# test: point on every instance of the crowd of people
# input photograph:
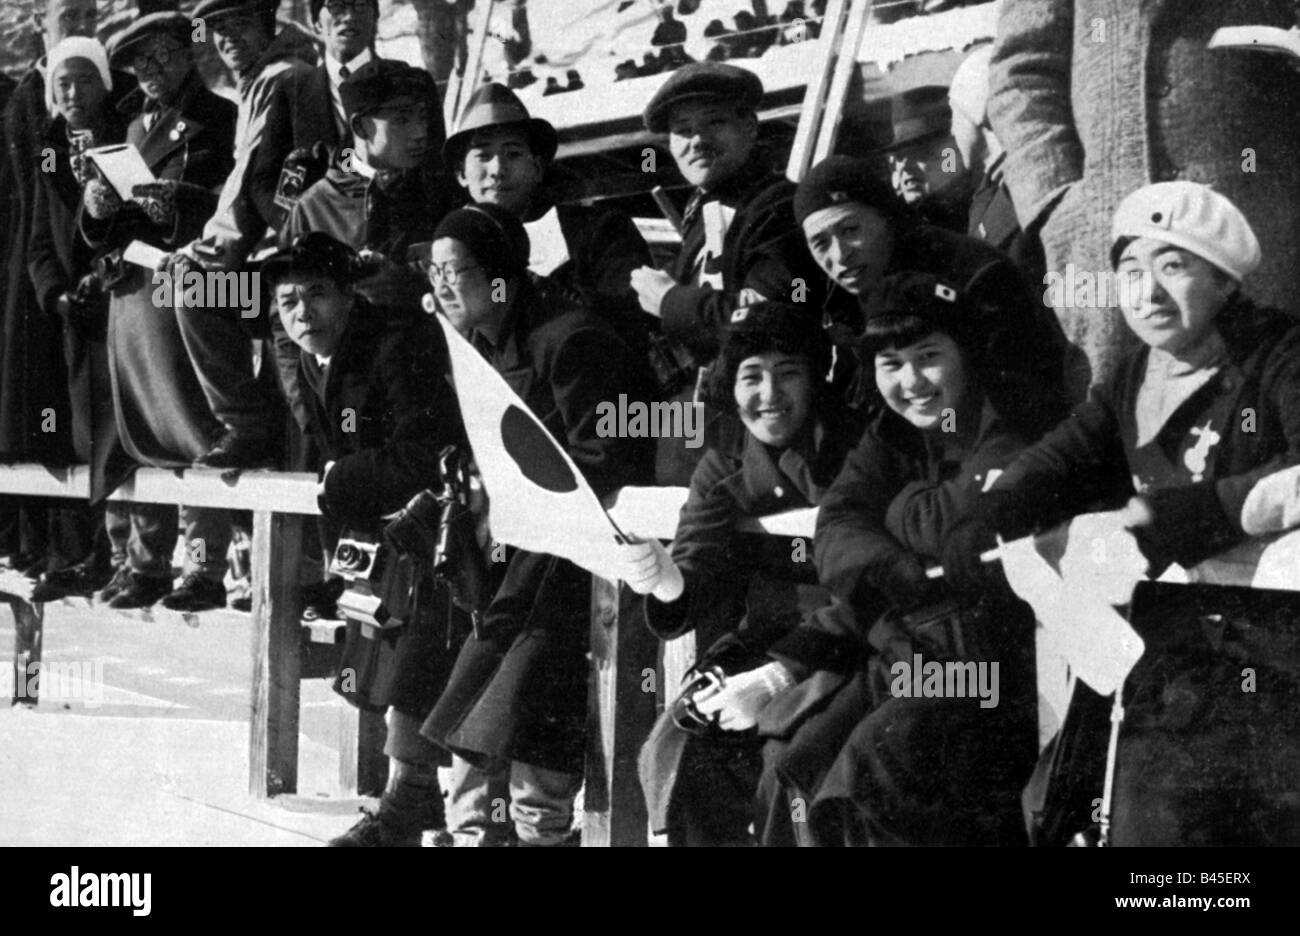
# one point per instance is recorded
(909, 380)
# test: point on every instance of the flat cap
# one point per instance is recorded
(311, 254)
(210, 9)
(702, 81)
(174, 23)
(840, 179)
(379, 81)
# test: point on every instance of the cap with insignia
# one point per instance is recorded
(839, 180)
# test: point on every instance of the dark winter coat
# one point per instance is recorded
(58, 257)
(763, 255)
(31, 346)
(519, 689)
(384, 409)
(1240, 426)
(162, 415)
(742, 590)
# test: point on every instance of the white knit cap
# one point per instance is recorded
(968, 94)
(75, 47)
(1191, 216)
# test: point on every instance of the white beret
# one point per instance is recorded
(1191, 216)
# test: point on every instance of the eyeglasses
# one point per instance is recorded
(160, 56)
(447, 274)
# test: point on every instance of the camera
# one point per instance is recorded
(381, 583)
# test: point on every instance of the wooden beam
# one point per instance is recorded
(276, 646)
(29, 626)
(846, 64)
(620, 715)
(363, 767)
(815, 96)
(284, 491)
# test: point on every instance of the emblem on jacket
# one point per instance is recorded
(1196, 457)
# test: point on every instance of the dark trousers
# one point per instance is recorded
(222, 353)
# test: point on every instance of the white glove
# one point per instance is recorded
(743, 696)
(648, 569)
(1103, 557)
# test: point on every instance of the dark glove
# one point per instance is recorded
(158, 199)
(905, 584)
(100, 199)
(963, 569)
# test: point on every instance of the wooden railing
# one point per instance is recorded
(632, 676)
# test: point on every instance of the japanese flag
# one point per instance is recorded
(538, 499)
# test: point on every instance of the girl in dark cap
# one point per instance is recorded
(701, 765)
(856, 757)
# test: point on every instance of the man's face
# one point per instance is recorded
(397, 134)
(467, 302)
(907, 175)
(160, 64)
(314, 311)
(347, 27)
(241, 39)
(78, 91)
(923, 382)
(710, 141)
(64, 18)
(501, 169)
(1169, 296)
(853, 243)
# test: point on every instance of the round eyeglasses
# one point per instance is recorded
(446, 273)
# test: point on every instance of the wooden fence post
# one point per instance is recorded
(277, 648)
(29, 624)
(621, 713)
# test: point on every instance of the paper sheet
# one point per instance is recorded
(123, 167)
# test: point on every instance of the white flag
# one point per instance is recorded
(538, 500)
(1094, 638)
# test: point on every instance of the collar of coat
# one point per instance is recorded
(932, 448)
(365, 324)
(802, 471)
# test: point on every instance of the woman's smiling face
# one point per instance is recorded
(924, 381)
(774, 394)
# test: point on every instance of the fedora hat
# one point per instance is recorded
(495, 105)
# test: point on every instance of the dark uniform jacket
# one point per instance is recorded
(1240, 426)
(763, 252)
(519, 687)
(384, 409)
(755, 584)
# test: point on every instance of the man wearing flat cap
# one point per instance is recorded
(858, 232)
(503, 156)
(739, 240)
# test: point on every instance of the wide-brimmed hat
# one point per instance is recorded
(495, 105)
